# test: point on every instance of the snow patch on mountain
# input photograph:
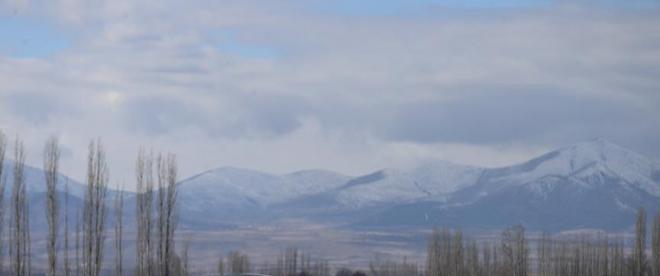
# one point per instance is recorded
(238, 187)
(590, 163)
(432, 180)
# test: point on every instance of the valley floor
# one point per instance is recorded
(340, 247)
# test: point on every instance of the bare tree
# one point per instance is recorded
(522, 252)
(321, 268)
(655, 245)
(161, 175)
(221, 266)
(603, 256)
(618, 258)
(305, 263)
(95, 210)
(457, 264)
(167, 214)
(543, 255)
(443, 253)
(20, 240)
(51, 168)
(119, 229)
(472, 260)
(3, 148)
(487, 255)
(290, 261)
(77, 245)
(67, 267)
(432, 254)
(238, 262)
(144, 202)
(639, 262)
(515, 251)
(184, 266)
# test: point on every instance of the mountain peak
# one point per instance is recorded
(594, 150)
(594, 158)
(602, 151)
(599, 144)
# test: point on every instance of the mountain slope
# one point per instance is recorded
(588, 162)
(241, 195)
(35, 180)
(432, 180)
(595, 184)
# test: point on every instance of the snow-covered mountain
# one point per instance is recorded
(587, 164)
(35, 181)
(433, 180)
(235, 194)
(35, 186)
(590, 184)
(253, 194)
(235, 186)
(594, 184)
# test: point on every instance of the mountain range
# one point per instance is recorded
(593, 184)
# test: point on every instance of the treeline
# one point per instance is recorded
(293, 262)
(289, 262)
(450, 254)
(156, 217)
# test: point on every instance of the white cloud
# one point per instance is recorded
(343, 92)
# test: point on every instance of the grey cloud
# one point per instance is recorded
(246, 116)
(159, 115)
(542, 77)
(524, 115)
(277, 114)
(36, 108)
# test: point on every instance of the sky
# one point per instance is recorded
(350, 86)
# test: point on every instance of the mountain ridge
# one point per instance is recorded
(593, 184)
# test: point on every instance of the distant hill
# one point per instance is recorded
(594, 184)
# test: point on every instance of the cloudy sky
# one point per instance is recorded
(347, 85)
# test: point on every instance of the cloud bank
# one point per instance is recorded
(306, 84)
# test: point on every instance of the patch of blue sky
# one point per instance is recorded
(633, 4)
(22, 37)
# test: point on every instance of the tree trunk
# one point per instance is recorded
(51, 168)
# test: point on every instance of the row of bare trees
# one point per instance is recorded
(591, 255)
(379, 267)
(449, 254)
(290, 262)
(155, 243)
(581, 255)
(294, 262)
(156, 210)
